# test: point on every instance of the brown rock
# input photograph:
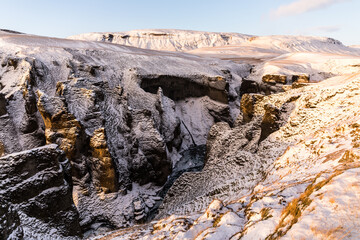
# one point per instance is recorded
(271, 78)
(103, 166)
(299, 85)
(2, 149)
(61, 127)
(247, 105)
(302, 78)
(270, 121)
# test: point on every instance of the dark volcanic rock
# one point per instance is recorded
(2, 105)
(33, 186)
(9, 222)
(178, 88)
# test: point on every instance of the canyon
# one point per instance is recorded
(176, 134)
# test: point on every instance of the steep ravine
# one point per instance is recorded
(119, 118)
(277, 184)
(99, 137)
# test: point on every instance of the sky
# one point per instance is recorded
(338, 19)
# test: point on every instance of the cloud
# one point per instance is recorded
(302, 6)
(327, 29)
(317, 30)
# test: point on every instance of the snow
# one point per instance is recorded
(319, 57)
(166, 39)
(339, 204)
(310, 63)
(198, 42)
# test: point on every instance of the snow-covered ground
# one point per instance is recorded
(166, 39)
(318, 57)
(217, 43)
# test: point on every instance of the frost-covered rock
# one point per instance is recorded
(36, 184)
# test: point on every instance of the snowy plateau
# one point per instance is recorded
(178, 134)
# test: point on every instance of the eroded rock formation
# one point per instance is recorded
(124, 118)
(35, 188)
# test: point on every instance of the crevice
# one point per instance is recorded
(179, 88)
(192, 160)
(192, 138)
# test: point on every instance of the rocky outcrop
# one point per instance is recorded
(35, 190)
(21, 123)
(103, 168)
(274, 78)
(300, 78)
(170, 40)
(10, 227)
(248, 103)
(61, 127)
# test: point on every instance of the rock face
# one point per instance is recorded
(300, 78)
(235, 157)
(35, 195)
(274, 79)
(125, 118)
(104, 170)
(166, 39)
(9, 222)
